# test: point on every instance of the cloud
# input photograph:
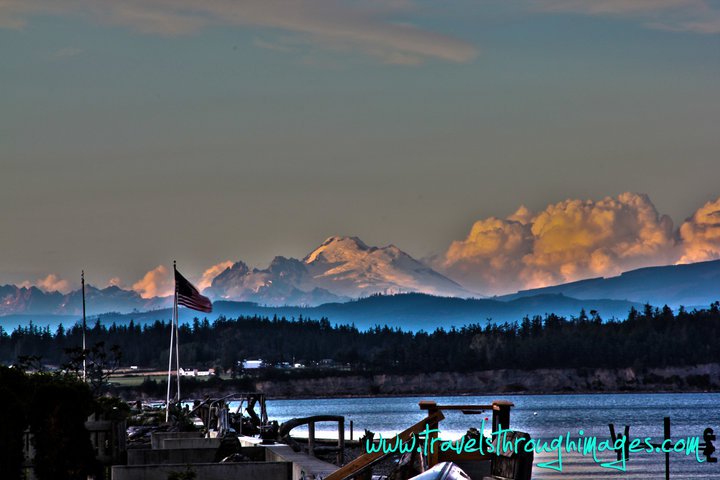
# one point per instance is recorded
(114, 282)
(51, 283)
(158, 282)
(695, 16)
(700, 234)
(378, 29)
(211, 273)
(491, 255)
(567, 241)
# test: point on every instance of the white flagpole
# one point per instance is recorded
(177, 342)
(170, 355)
(84, 346)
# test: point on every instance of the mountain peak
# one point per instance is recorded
(342, 267)
(349, 267)
(337, 248)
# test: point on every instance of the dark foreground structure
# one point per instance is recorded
(232, 438)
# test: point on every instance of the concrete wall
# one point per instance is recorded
(303, 465)
(187, 455)
(175, 443)
(157, 438)
(165, 456)
(207, 471)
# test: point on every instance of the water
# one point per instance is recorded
(544, 417)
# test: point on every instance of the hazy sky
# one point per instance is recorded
(136, 132)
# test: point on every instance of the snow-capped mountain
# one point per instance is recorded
(347, 266)
(285, 282)
(344, 268)
(32, 300)
(340, 269)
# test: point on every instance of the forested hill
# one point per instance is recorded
(411, 311)
(649, 338)
(687, 284)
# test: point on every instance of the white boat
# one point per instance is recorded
(443, 471)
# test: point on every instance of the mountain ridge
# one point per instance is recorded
(690, 285)
(340, 269)
(409, 311)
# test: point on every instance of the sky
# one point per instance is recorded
(137, 132)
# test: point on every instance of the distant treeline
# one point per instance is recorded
(654, 337)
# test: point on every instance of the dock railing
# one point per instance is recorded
(500, 420)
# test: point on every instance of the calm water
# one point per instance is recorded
(546, 416)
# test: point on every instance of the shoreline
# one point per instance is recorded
(514, 394)
(666, 380)
(220, 393)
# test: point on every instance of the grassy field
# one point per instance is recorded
(134, 380)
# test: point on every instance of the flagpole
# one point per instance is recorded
(177, 336)
(170, 355)
(84, 325)
(191, 298)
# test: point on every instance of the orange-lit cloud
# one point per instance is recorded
(211, 273)
(114, 282)
(377, 29)
(700, 234)
(491, 256)
(567, 241)
(158, 282)
(51, 283)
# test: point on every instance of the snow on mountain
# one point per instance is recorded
(340, 269)
(285, 282)
(344, 268)
(347, 266)
(32, 300)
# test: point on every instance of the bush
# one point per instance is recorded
(55, 407)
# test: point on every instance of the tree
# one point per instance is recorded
(60, 406)
(14, 392)
(99, 365)
(54, 407)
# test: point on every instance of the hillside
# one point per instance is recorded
(411, 311)
(693, 284)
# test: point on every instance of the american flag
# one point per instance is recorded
(188, 296)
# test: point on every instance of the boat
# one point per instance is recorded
(443, 471)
